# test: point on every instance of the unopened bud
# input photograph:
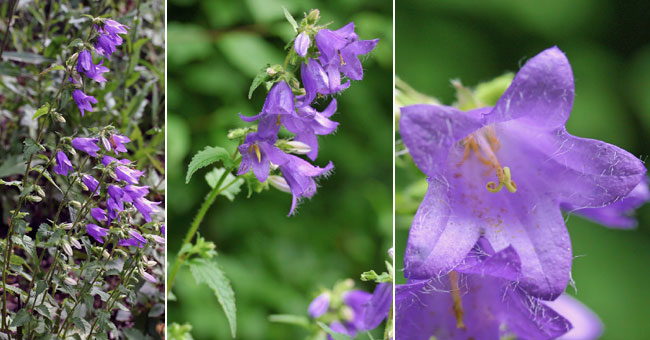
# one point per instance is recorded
(279, 183)
(33, 198)
(151, 264)
(66, 226)
(106, 255)
(58, 117)
(313, 16)
(83, 186)
(40, 191)
(67, 249)
(298, 148)
(75, 243)
(158, 239)
(70, 281)
(274, 70)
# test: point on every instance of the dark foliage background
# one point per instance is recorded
(608, 45)
(276, 264)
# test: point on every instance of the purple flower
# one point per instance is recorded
(521, 145)
(145, 207)
(106, 43)
(136, 239)
(377, 308)
(480, 299)
(133, 192)
(115, 202)
(97, 232)
(127, 174)
(278, 108)
(83, 101)
(300, 175)
(63, 164)
(87, 145)
(116, 142)
(319, 305)
(108, 160)
(91, 183)
(86, 66)
(99, 214)
(317, 79)
(618, 214)
(301, 45)
(258, 152)
(586, 324)
(341, 48)
(149, 277)
(114, 28)
(311, 123)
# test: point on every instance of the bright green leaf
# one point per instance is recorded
(206, 157)
(234, 183)
(208, 272)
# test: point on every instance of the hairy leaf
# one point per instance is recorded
(208, 272)
(232, 190)
(206, 157)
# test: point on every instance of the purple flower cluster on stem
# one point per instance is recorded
(321, 75)
(498, 179)
(105, 44)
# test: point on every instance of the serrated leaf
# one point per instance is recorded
(296, 320)
(290, 19)
(207, 156)
(43, 110)
(47, 176)
(102, 295)
(208, 272)
(333, 334)
(21, 318)
(42, 309)
(81, 324)
(232, 190)
(259, 79)
(31, 147)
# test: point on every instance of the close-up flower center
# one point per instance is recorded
(257, 152)
(484, 145)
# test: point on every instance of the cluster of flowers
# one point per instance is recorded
(337, 52)
(483, 262)
(107, 40)
(350, 311)
(124, 190)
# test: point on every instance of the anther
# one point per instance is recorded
(257, 152)
(341, 56)
(505, 179)
(455, 294)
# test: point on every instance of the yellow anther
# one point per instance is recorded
(458, 304)
(257, 152)
(278, 122)
(341, 56)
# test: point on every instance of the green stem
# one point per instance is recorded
(195, 225)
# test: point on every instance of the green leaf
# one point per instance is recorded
(43, 110)
(26, 57)
(55, 67)
(208, 272)
(206, 157)
(179, 332)
(13, 165)
(47, 176)
(31, 147)
(333, 334)
(296, 320)
(259, 79)
(232, 190)
(290, 19)
(21, 318)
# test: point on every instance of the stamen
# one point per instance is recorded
(484, 145)
(505, 179)
(278, 122)
(341, 56)
(455, 294)
(257, 152)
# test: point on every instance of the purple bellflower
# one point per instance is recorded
(618, 214)
(97, 232)
(480, 299)
(257, 153)
(319, 305)
(116, 143)
(377, 308)
(83, 101)
(136, 239)
(115, 203)
(99, 214)
(87, 145)
(278, 108)
(301, 45)
(300, 175)
(109, 37)
(341, 49)
(586, 324)
(311, 123)
(63, 164)
(86, 66)
(127, 174)
(106, 160)
(145, 207)
(520, 145)
(114, 28)
(91, 183)
(133, 192)
(318, 79)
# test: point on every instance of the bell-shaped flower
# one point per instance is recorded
(63, 164)
(83, 101)
(91, 183)
(87, 145)
(503, 172)
(116, 143)
(480, 299)
(258, 153)
(300, 176)
(128, 175)
(86, 66)
(278, 108)
(301, 44)
(99, 214)
(311, 123)
(146, 207)
(324, 79)
(97, 232)
(341, 49)
(319, 305)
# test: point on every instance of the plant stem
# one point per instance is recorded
(195, 225)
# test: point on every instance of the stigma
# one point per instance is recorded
(484, 145)
(257, 152)
(455, 294)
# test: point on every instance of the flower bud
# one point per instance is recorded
(298, 148)
(58, 117)
(66, 226)
(33, 198)
(151, 263)
(313, 16)
(40, 191)
(75, 243)
(66, 248)
(70, 281)
(75, 204)
(158, 239)
(274, 70)
(279, 183)
(105, 254)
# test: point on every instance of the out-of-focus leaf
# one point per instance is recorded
(248, 51)
(26, 57)
(213, 177)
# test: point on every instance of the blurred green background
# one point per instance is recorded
(608, 45)
(276, 264)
